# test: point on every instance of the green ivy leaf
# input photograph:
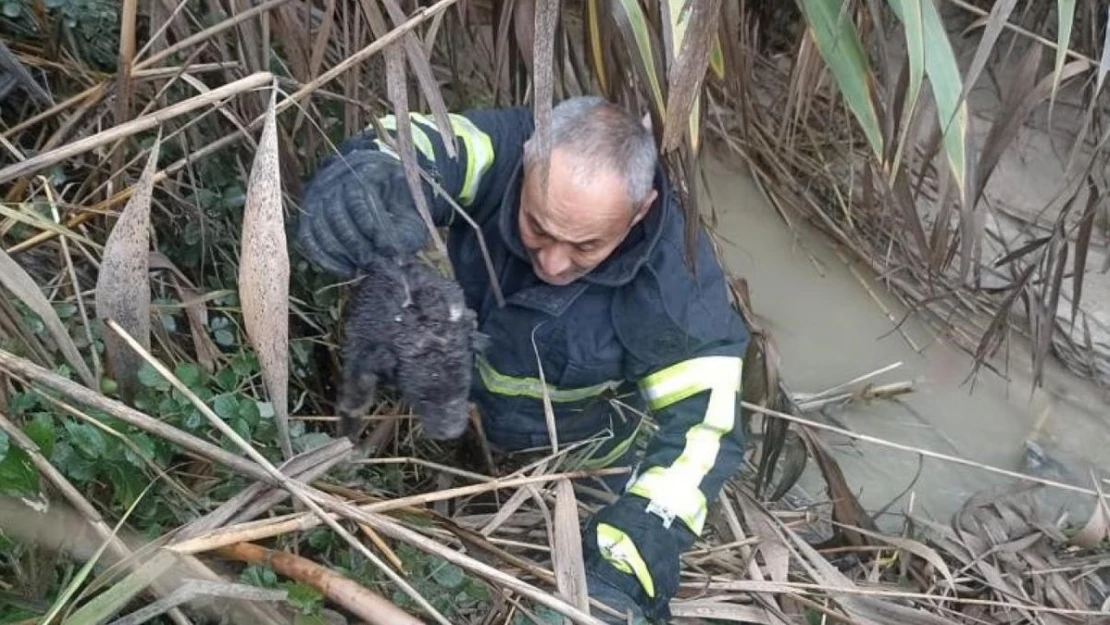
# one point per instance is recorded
(194, 420)
(41, 431)
(22, 403)
(65, 310)
(17, 473)
(448, 575)
(241, 427)
(76, 467)
(88, 439)
(302, 596)
(233, 196)
(320, 539)
(227, 379)
(127, 483)
(151, 378)
(207, 198)
(224, 337)
(248, 410)
(12, 9)
(256, 575)
(225, 406)
(244, 364)
(145, 444)
(4, 444)
(189, 374)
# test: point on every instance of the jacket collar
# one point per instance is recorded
(625, 261)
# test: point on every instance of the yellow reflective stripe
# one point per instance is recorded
(690, 377)
(510, 386)
(611, 457)
(479, 147)
(683, 500)
(674, 491)
(419, 137)
(479, 155)
(619, 550)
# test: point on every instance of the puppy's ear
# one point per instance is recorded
(479, 341)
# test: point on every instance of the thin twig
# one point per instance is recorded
(916, 450)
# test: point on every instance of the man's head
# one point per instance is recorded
(602, 167)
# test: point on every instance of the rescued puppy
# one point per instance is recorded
(408, 327)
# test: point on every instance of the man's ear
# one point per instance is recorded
(644, 207)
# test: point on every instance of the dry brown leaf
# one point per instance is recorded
(688, 70)
(775, 553)
(721, 611)
(421, 66)
(264, 275)
(846, 508)
(570, 569)
(397, 88)
(920, 550)
(862, 609)
(544, 27)
(123, 286)
(23, 286)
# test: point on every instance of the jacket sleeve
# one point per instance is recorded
(684, 345)
(488, 143)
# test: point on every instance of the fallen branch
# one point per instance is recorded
(352, 596)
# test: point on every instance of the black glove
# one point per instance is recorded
(640, 544)
(356, 207)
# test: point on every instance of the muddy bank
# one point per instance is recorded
(829, 329)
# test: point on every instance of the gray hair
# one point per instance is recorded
(603, 136)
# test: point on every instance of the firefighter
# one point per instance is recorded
(597, 289)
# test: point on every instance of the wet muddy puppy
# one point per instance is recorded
(408, 327)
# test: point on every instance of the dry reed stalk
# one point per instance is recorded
(90, 95)
(395, 530)
(257, 498)
(418, 17)
(388, 553)
(139, 124)
(254, 531)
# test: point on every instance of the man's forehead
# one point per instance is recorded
(572, 181)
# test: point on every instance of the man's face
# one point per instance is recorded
(579, 222)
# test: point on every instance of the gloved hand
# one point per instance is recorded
(632, 558)
(357, 206)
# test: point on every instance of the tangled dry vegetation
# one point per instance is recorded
(147, 195)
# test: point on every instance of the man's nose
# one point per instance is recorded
(554, 260)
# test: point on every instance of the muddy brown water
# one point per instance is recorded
(829, 330)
